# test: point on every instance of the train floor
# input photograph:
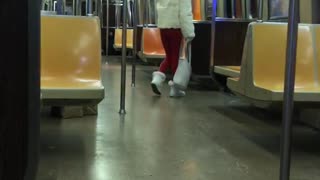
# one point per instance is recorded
(205, 135)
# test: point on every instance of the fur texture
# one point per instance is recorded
(176, 14)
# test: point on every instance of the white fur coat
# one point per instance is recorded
(176, 14)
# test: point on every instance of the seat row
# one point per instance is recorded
(262, 75)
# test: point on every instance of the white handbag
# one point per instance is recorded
(182, 76)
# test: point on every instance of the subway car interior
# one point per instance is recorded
(241, 118)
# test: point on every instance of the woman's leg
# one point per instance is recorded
(165, 64)
(159, 77)
(175, 39)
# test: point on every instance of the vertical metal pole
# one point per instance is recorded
(146, 11)
(54, 5)
(260, 16)
(135, 38)
(33, 84)
(50, 5)
(288, 104)
(43, 4)
(213, 30)
(107, 27)
(129, 18)
(233, 9)
(74, 7)
(101, 11)
(118, 15)
(124, 59)
(89, 7)
(78, 6)
(248, 9)
(96, 5)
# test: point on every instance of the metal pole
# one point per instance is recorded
(118, 14)
(101, 11)
(78, 6)
(260, 10)
(233, 9)
(107, 27)
(147, 12)
(88, 7)
(74, 7)
(43, 5)
(124, 59)
(248, 9)
(50, 5)
(288, 104)
(96, 6)
(129, 18)
(213, 30)
(135, 37)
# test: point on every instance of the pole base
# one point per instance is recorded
(122, 111)
(133, 85)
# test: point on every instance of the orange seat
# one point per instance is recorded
(152, 44)
(263, 64)
(118, 38)
(196, 9)
(71, 58)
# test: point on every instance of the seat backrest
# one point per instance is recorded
(118, 37)
(317, 50)
(70, 47)
(269, 42)
(196, 9)
(152, 41)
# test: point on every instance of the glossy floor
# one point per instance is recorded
(206, 135)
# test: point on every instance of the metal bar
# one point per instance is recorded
(96, 8)
(107, 27)
(49, 5)
(74, 7)
(144, 13)
(135, 34)
(147, 12)
(101, 12)
(233, 9)
(260, 16)
(118, 15)
(129, 18)
(78, 6)
(124, 59)
(213, 30)
(89, 7)
(288, 104)
(135, 38)
(248, 9)
(43, 5)
(54, 5)
(33, 88)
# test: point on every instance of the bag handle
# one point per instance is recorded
(185, 50)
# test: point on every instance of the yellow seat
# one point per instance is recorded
(71, 59)
(263, 64)
(118, 38)
(230, 71)
(317, 50)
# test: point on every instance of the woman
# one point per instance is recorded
(175, 21)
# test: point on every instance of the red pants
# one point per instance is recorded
(171, 40)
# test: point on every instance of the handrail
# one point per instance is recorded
(288, 104)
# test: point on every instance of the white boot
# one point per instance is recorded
(175, 91)
(157, 80)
